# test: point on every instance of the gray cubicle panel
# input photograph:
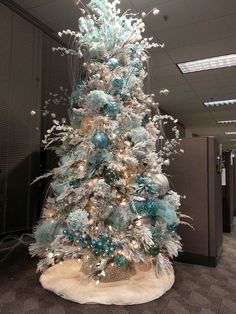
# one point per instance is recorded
(194, 174)
(234, 186)
(228, 192)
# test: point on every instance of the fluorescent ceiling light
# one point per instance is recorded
(230, 133)
(219, 103)
(226, 121)
(233, 140)
(208, 64)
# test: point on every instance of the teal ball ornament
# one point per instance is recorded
(82, 240)
(111, 250)
(70, 237)
(111, 110)
(65, 232)
(171, 227)
(113, 63)
(100, 140)
(118, 82)
(93, 243)
(121, 260)
(74, 183)
(84, 246)
(96, 253)
(100, 244)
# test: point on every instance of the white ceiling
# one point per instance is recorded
(194, 29)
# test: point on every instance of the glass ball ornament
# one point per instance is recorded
(110, 175)
(65, 231)
(100, 140)
(118, 82)
(121, 260)
(113, 63)
(111, 110)
(70, 237)
(111, 250)
(171, 227)
(74, 183)
(84, 246)
(100, 244)
(96, 253)
(82, 240)
(93, 243)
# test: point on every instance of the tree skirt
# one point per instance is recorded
(67, 281)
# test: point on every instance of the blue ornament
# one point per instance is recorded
(100, 140)
(65, 231)
(118, 82)
(121, 260)
(171, 227)
(100, 244)
(111, 109)
(113, 63)
(82, 240)
(70, 237)
(96, 253)
(84, 246)
(74, 183)
(93, 243)
(111, 250)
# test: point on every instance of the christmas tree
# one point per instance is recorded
(110, 205)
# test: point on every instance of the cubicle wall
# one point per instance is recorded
(234, 171)
(194, 174)
(229, 191)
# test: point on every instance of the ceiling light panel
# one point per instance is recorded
(208, 64)
(226, 121)
(233, 139)
(230, 133)
(219, 103)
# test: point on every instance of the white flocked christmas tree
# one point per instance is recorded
(110, 209)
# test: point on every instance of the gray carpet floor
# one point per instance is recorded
(198, 289)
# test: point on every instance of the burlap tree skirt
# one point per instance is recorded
(67, 281)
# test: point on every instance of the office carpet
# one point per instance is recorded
(198, 289)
